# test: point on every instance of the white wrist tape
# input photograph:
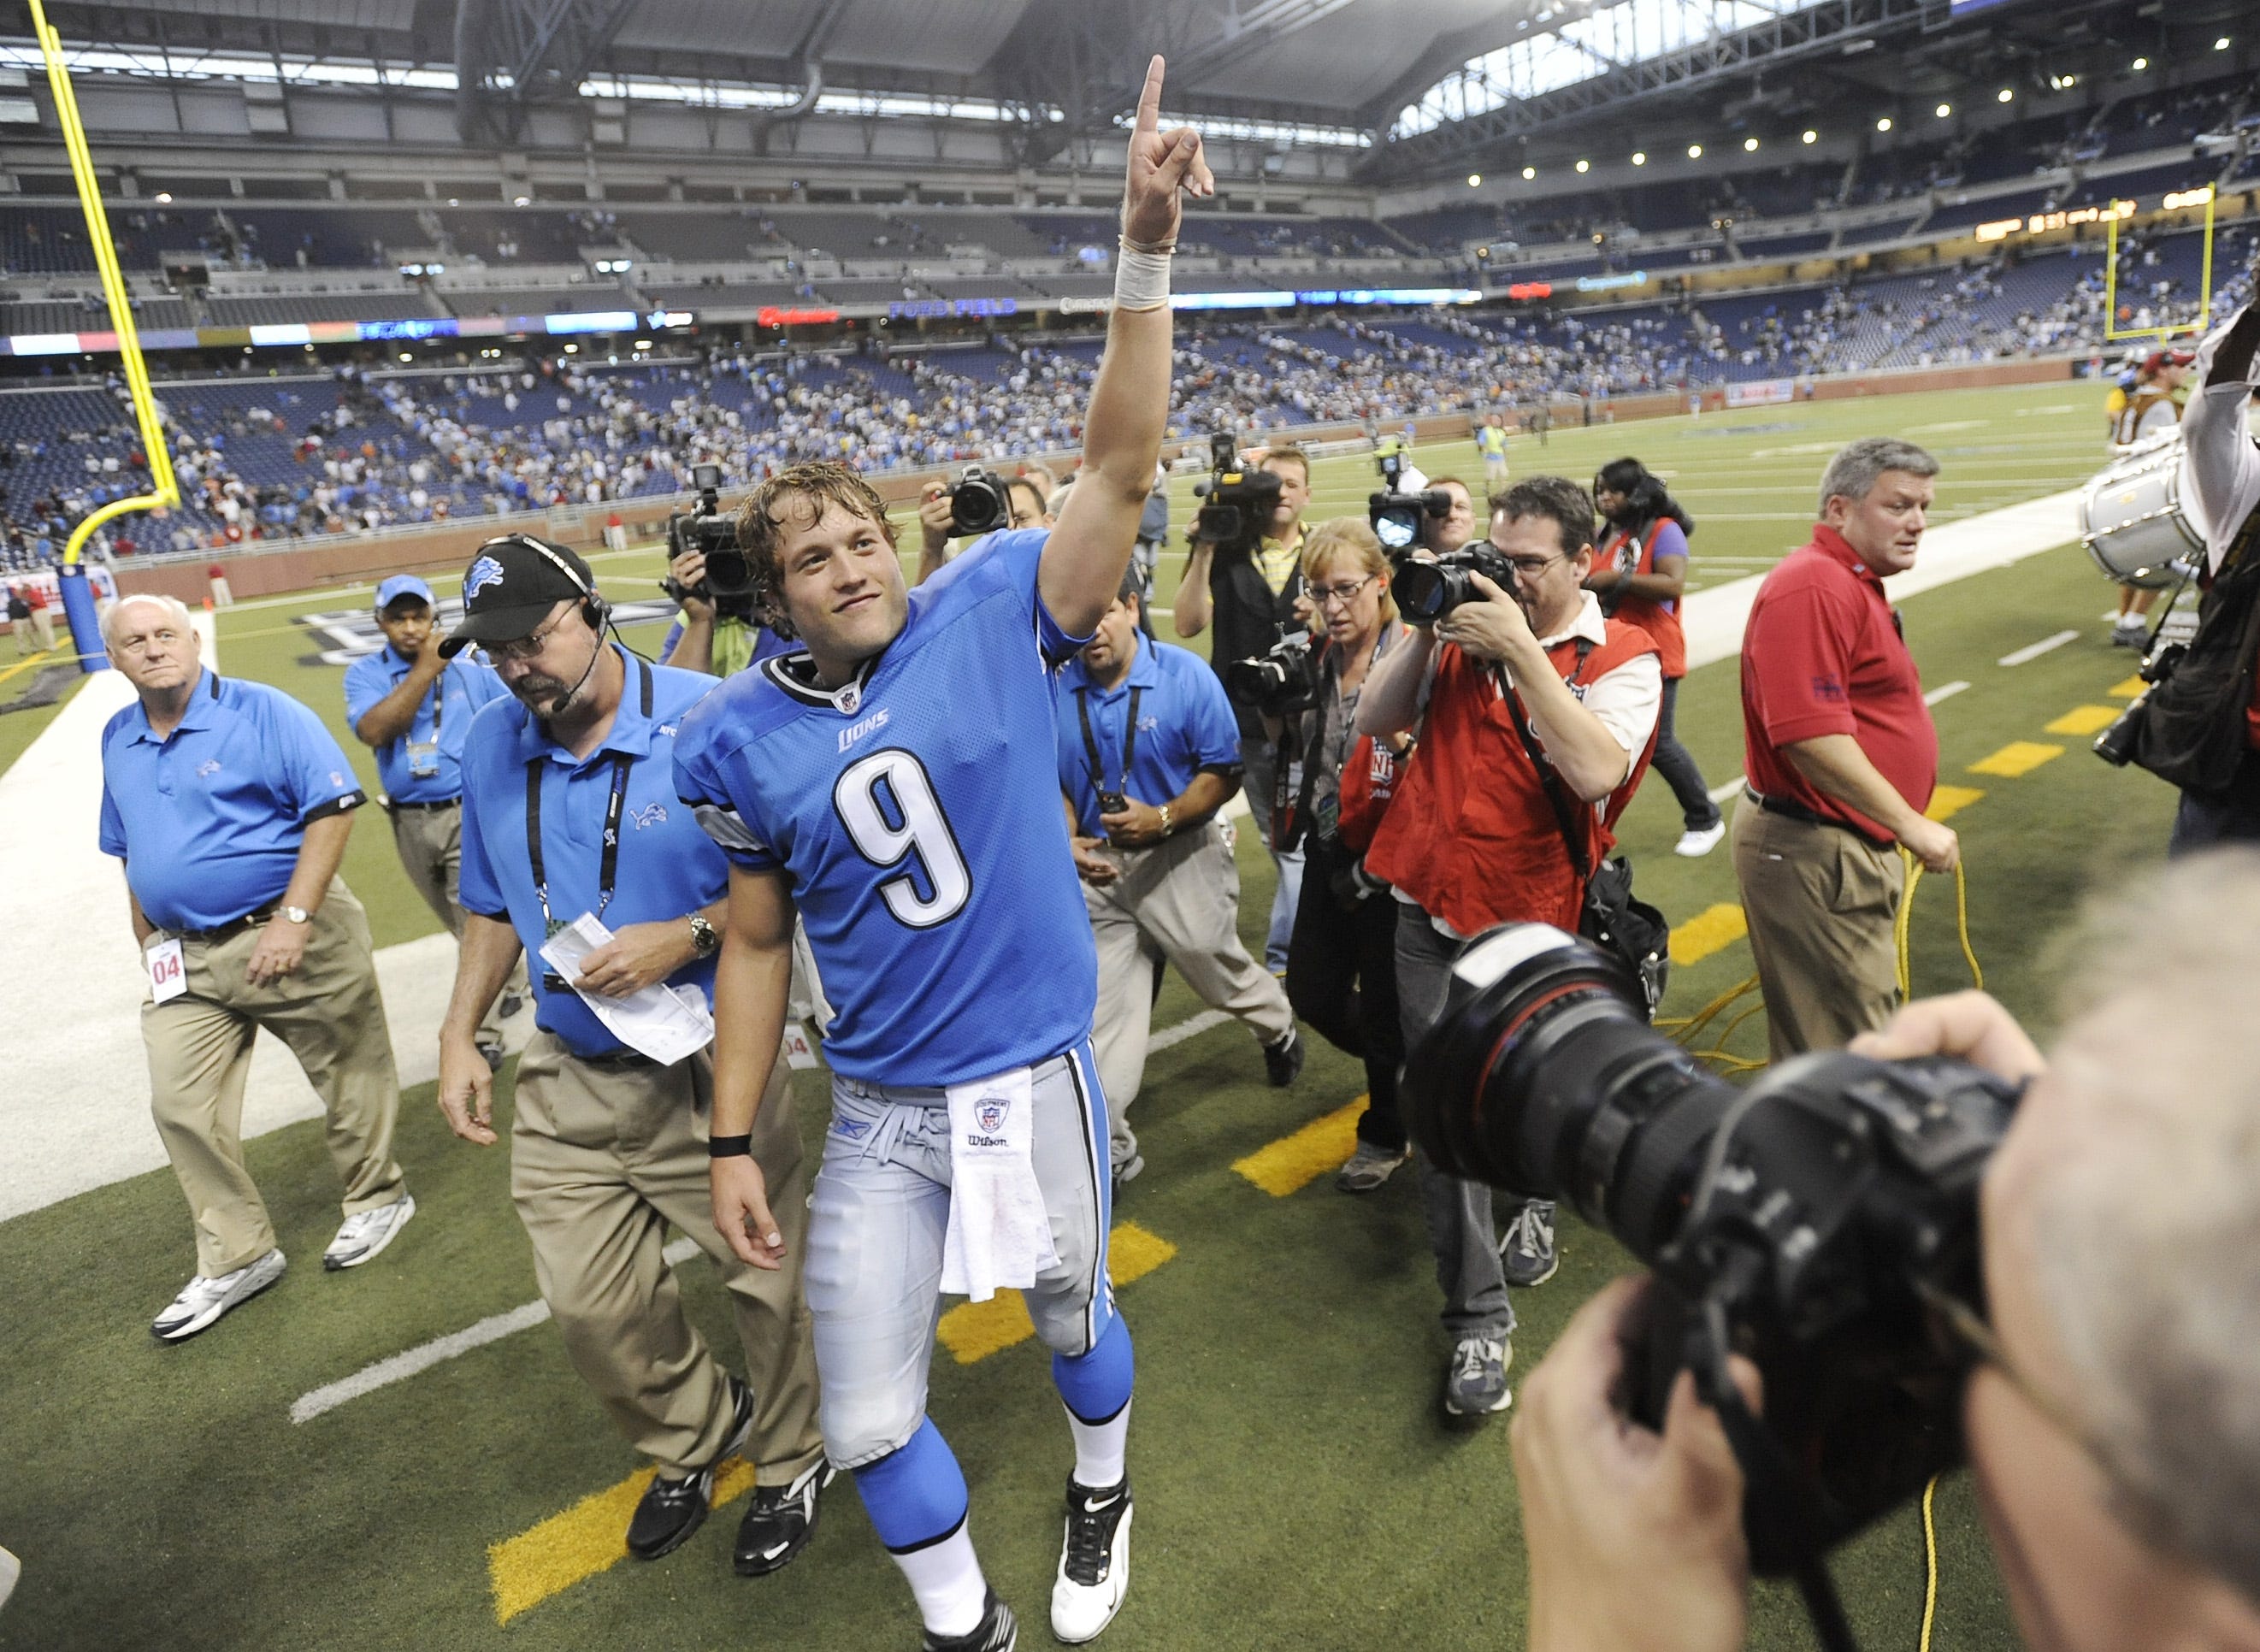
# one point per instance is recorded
(1142, 280)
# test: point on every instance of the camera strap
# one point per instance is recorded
(1090, 741)
(608, 863)
(1564, 815)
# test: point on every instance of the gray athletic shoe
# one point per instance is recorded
(366, 1232)
(1526, 1249)
(202, 1300)
(1368, 1167)
(1475, 1384)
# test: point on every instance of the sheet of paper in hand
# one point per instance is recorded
(665, 1023)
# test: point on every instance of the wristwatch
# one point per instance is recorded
(704, 939)
(1165, 819)
(297, 914)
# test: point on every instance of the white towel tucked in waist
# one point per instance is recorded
(999, 1236)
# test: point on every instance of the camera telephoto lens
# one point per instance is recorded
(1426, 591)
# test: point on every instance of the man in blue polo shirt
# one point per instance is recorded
(414, 710)
(231, 804)
(1149, 752)
(570, 809)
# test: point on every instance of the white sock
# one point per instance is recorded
(945, 1578)
(1099, 1447)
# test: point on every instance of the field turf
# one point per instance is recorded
(1296, 1488)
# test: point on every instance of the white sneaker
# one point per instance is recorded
(202, 1300)
(1696, 843)
(367, 1232)
(1094, 1569)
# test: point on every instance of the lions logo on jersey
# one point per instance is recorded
(484, 572)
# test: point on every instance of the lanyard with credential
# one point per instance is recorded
(608, 865)
(1091, 743)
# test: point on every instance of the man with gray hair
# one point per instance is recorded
(2113, 1414)
(230, 804)
(1840, 755)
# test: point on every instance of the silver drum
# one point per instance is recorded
(2132, 522)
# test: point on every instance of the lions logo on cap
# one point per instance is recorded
(989, 1113)
(484, 572)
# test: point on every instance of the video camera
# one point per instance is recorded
(1239, 502)
(979, 504)
(1823, 1222)
(728, 581)
(1425, 591)
(1276, 681)
(1396, 515)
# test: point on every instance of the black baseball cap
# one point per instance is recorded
(511, 585)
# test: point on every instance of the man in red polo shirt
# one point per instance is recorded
(1840, 755)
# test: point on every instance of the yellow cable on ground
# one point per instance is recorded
(164, 489)
(1930, 1565)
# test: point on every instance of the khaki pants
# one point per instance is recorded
(1821, 904)
(43, 627)
(603, 1160)
(328, 1011)
(21, 629)
(431, 845)
(1178, 900)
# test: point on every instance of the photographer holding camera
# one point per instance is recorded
(1537, 716)
(1253, 589)
(980, 503)
(2106, 1397)
(715, 632)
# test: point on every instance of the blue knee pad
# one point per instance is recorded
(914, 1496)
(1096, 1386)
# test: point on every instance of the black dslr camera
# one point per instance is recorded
(1276, 681)
(1396, 515)
(1823, 1222)
(978, 503)
(2117, 744)
(1425, 591)
(1237, 503)
(728, 581)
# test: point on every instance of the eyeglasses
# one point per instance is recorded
(519, 647)
(1532, 567)
(1346, 592)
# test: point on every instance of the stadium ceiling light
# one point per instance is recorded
(1639, 157)
(1749, 146)
(164, 198)
(1945, 110)
(1810, 136)
(2220, 44)
(1585, 165)
(1475, 180)
(1883, 123)
(1529, 172)
(2141, 63)
(1694, 151)
(2004, 96)
(522, 200)
(405, 356)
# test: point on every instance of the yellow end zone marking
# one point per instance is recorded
(1710, 931)
(2128, 689)
(973, 1331)
(2084, 720)
(587, 1538)
(1293, 1162)
(1951, 800)
(2018, 757)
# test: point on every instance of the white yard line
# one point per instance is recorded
(2033, 651)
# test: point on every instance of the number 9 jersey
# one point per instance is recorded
(917, 811)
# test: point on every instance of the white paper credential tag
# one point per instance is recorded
(169, 976)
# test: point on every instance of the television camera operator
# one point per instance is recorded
(707, 575)
(1243, 573)
(1511, 662)
(2107, 1395)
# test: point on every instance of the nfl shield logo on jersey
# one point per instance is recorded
(989, 1114)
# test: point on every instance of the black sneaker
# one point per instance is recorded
(1475, 1383)
(996, 1632)
(672, 1509)
(1526, 1249)
(493, 1055)
(509, 1004)
(779, 1524)
(1094, 1568)
(1283, 1061)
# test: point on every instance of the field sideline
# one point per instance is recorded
(1294, 1489)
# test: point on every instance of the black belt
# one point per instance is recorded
(444, 803)
(233, 927)
(1790, 811)
(618, 1061)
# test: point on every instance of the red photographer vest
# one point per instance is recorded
(1470, 835)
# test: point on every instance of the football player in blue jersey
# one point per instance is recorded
(892, 784)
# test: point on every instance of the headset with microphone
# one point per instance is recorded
(594, 607)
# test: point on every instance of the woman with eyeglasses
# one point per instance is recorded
(1342, 961)
(1640, 573)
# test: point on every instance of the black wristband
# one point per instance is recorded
(730, 1146)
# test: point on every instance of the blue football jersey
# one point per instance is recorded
(917, 813)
